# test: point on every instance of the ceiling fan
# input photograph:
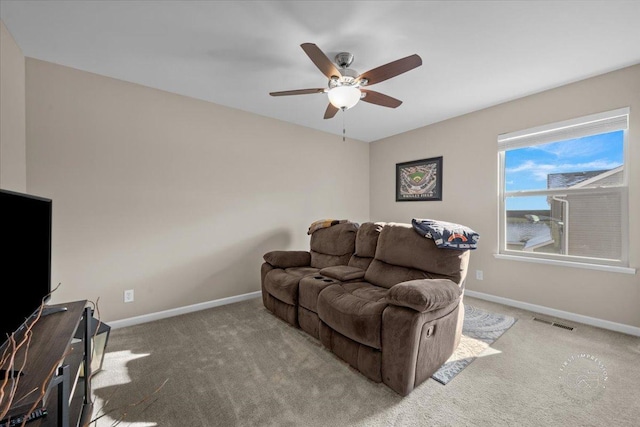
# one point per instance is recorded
(346, 86)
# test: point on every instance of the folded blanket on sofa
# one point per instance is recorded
(446, 234)
(324, 223)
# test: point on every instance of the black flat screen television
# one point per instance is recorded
(25, 266)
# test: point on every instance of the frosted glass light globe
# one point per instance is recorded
(344, 97)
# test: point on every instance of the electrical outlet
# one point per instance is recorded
(128, 295)
(478, 275)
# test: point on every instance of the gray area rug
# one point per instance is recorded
(479, 330)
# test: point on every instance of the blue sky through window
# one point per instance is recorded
(527, 168)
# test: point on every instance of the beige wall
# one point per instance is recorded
(178, 198)
(468, 144)
(173, 197)
(13, 163)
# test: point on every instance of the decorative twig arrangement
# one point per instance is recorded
(11, 379)
(17, 343)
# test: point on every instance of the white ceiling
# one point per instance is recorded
(475, 53)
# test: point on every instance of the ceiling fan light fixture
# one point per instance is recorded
(344, 97)
(344, 86)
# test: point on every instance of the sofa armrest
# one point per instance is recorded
(287, 259)
(425, 294)
(343, 272)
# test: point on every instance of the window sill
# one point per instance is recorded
(610, 268)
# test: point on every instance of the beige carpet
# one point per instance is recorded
(238, 365)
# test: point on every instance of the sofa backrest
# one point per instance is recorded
(366, 242)
(402, 254)
(333, 245)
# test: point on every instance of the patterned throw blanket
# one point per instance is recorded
(324, 223)
(446, 234)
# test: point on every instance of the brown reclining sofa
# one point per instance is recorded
(380, 296)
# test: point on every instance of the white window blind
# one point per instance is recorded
(609, 121)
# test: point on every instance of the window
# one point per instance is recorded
(563, 191)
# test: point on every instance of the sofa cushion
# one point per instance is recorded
(360, 262)
(367, 239)
(354, 310)
(387, 275)
(320, 260)
(424, 295)
(283, 284)
(400, 245)
(301, 271)
(337, 240)
(343, 273)
(284, 259)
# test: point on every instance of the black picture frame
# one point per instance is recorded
(419, 180)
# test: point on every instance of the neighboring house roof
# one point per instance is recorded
(601, 177)
(580, 179)
(569, 179)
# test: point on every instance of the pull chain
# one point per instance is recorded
(343, 129)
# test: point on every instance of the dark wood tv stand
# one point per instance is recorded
(67, 393)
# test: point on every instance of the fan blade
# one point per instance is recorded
(378, 98)
(320, 59)
(391, 69)
(331, 111)
(297, 92)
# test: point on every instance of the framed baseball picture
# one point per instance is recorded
(419, 180)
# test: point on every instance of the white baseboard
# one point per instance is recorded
(579, 318)
(182, 310)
